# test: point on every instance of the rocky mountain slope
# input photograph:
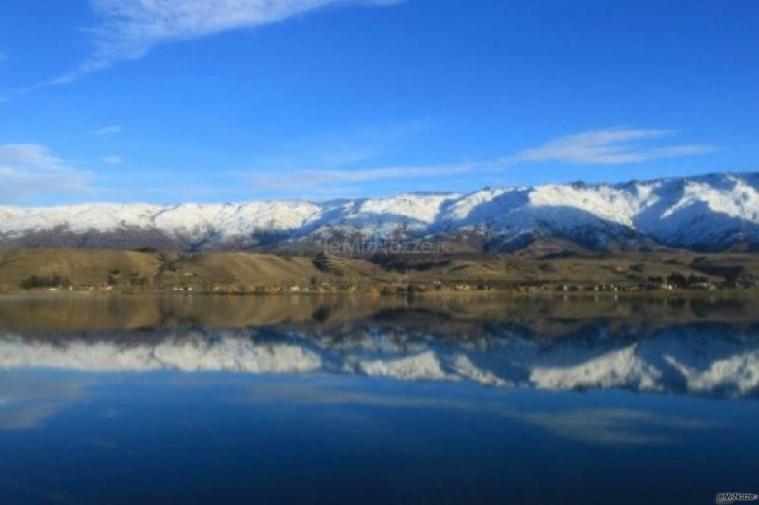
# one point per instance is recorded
(710, 212)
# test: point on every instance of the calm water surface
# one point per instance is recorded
(142, 400)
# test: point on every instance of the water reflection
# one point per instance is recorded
(27, 401)
(595, 425)
(63, 314)
(388, 400)
(673, 347)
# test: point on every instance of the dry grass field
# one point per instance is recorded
(246, 272)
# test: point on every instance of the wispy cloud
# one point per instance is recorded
(28, 171)
(613, 146)
(3, 56)
(349, 146)
(107, 130)
(128, 30)
(310, 179)
(113, 159)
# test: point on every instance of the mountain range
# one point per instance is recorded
(710, 212)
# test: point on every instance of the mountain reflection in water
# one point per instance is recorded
(336, 399)
(690, 346)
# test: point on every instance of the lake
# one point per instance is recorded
(343, 400)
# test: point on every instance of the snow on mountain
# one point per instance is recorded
(424, 208)
(231, 220)
(707, 212)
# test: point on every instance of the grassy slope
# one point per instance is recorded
(166, 270)
(79, 265)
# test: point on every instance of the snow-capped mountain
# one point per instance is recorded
(714, 211)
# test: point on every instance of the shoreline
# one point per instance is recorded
(501, 293)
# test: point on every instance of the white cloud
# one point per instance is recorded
(107, 130)
(340, 149)
(3, 56)
(310, 179)
(30, 170)
(128, 30)
(613, 146)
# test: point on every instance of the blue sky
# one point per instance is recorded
(233, 100)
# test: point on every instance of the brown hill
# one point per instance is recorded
(539, 267)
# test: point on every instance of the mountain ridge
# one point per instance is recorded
(715, 211)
